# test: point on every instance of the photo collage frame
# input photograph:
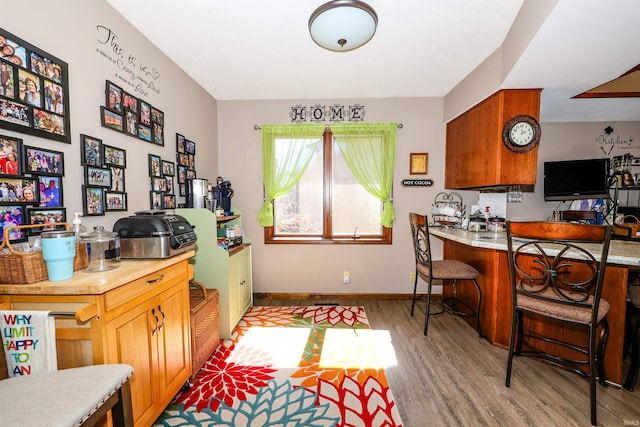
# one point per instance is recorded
(186, 162)
(104, 177)
(34, 90)
(161, 173)
(30, 188)
(132, 116)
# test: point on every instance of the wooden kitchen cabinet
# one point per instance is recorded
(138, 314)
(151, 337)
(228, 271)
(475, 155)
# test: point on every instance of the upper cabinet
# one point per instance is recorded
(476, 155)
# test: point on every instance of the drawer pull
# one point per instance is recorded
(157, 279)
(164, 318)
(155, 328)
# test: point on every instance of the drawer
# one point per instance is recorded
(149, 283)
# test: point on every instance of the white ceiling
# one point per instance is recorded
(261, 50)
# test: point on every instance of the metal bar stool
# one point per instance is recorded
(632, 336)
(453, 270)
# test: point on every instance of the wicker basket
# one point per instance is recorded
(30, 267)
(628, 229)
(205, 326)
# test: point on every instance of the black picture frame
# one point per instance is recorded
(8, 87)
(113, 97)
(182, 190)
(52, 216)
(157, 116)
(10, 156)
(145, 113)
(158, 184)
(115, 201)
(93, 201)
(111, 120)
(180, 140)
(91, 150)
(158, 134)
(129, 102)
(41, 161)
(45, 113)
(96, 176)
(191, 174)
(117, 179)
(168, 201)
(169, 185)
(145, 133)
(182, 174)
(13, 215)
(155, 200)
(155, 166)
(190, 147)
(114, 156)
(168, 168)
(50, 196)
(131, 123)
(18, 190)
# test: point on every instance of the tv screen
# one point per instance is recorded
(576, 179)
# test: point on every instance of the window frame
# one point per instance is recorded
(386, 238)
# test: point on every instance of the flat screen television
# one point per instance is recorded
(576, 179)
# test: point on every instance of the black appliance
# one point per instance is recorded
(153, 234)
(576, 179)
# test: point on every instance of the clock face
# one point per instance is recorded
(521, 133)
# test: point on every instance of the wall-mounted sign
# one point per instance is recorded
(417, 182)
(333, 113)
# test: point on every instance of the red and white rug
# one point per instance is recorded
(293, 366)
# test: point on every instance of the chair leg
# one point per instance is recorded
(415, 288)
(602, 345)
(512, 345)
(475, 282)
(592, 374)
(428, 309)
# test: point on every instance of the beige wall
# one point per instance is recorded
(68, 30)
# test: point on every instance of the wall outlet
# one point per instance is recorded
(346, 277)
(412, 276)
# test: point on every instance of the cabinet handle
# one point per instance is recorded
(157, 279)
(155, 328)
(163, 318)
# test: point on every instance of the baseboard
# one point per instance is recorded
(308, 296)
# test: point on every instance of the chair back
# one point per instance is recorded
(558, 262)
(420, 235)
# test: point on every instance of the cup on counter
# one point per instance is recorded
(59, 252)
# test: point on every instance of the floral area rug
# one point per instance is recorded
(293, 366)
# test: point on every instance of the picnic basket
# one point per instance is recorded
(30, 267)
(205, 326)
(629, 229)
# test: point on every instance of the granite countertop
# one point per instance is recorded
(96, 283)
(621, 252)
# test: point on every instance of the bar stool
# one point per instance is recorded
(632, 336)
(68, 397)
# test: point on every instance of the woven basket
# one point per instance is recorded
(205, 326)
(30, 267)
(628, 229)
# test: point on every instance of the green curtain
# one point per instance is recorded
(287, 151)
(369, 149)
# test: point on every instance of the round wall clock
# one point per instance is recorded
(521, 133)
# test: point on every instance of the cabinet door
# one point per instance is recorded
(245, 297)
(130, 340)
(234, 289)
(174, 355)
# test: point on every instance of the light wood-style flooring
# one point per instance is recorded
(453, 378)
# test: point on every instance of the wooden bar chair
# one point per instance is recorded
(554, 276)
(446, 270)
(68, 397)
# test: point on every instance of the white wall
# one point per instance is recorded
(69, 30)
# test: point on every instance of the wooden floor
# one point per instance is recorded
(453, 378)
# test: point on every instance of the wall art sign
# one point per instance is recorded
(34, 90)
(417, 182)
(320, 113)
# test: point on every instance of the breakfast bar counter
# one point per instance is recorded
(487, 252)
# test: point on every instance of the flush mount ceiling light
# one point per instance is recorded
(343, 25)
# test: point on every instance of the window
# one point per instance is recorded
(328, 204)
